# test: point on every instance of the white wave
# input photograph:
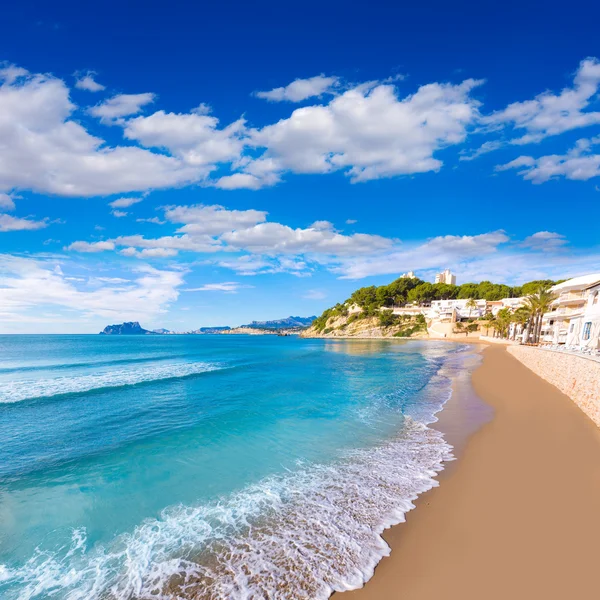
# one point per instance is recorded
(302, 535)
(16, 391)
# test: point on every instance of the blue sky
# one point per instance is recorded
(198, 165)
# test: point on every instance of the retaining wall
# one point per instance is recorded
(575, 376)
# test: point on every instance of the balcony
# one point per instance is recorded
(572, 298)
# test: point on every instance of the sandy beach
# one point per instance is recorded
(517, 516)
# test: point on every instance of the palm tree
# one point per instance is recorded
(521, 316)
(502, 321)
(471, 304)
(539, 304)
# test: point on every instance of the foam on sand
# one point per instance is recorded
(301, 535)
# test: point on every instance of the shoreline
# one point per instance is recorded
(517, 515)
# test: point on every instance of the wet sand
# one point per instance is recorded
(518, 515)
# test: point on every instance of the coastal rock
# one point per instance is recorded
(129, 328)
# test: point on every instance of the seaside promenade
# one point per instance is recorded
(517, 516)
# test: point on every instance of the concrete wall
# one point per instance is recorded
(575, 376)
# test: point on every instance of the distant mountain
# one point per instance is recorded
(130, 328)
(287, 323)
(161, 330)
(211, 329)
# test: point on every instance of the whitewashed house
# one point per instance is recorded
(455, 310)
(564, 324)
(589, 329)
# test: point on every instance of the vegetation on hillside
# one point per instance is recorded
(373, 300)
(406, 291)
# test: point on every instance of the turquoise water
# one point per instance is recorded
(210, 466)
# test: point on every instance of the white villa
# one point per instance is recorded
(455, 310)
(574, 320)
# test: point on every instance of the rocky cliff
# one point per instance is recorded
(130, 328)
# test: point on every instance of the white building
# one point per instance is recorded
(456, 310)
(575, 306)
(446, 277)
(409, 275)
(589, 334)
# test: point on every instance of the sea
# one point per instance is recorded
(211, 466)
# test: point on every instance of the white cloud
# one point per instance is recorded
(301, 89)
(154, 220)
(275, 238)
(88, 83)
(184, 242)
(486, 147)
(351, 221)
(544, 240)
(149, 252)
(439, 252)
(253, 264)
(28, 284)
(578, 164)
(124, 202)
(122, 105)
(9, 223)
(91, 246)
(44, 150)
(6, 202)
(369, 133)
(193, 137)
(119, 213)
(229, 287)
(243, 181)
(10, 73)
(212, 220)
(550, 114)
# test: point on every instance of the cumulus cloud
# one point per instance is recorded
(193, 137)
(88, 83)
(439, 252)
(580, 164)
(544, 240)
(368, 132)
(173, 243)
(301, 89)
(6, 202)
(159, 252)
(28, 284)
(229, 287)
(90, 247)
(121, 105)
(44, 150)
(10, 223)
(551, 114)
(124, 202)
(212, 220)
(276, 238)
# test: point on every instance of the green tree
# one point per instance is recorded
(471, 304)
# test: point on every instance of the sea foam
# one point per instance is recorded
(302, 535)
(27, 389)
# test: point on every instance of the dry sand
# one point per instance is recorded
(517, 516)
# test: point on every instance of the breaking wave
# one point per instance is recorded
(302, 535)
(16, 391)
